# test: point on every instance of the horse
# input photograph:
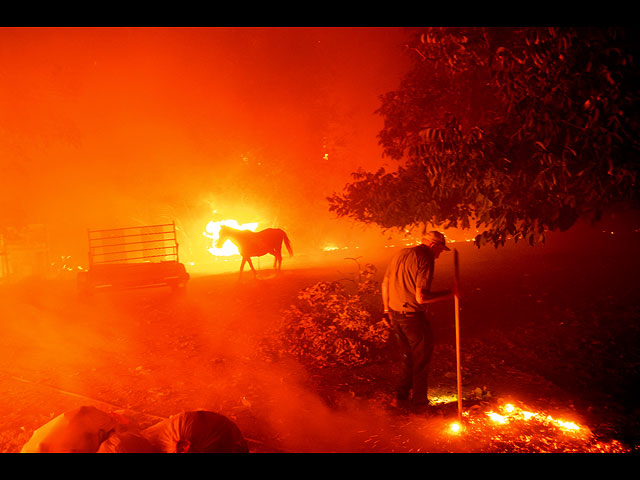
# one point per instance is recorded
(256, 244)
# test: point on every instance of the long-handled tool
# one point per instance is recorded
(456, 279)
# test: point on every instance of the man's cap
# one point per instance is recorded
(435, 237)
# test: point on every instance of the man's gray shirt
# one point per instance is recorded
(411, 268)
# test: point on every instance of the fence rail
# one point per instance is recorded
(100, 241)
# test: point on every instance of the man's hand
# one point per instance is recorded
(386, 318)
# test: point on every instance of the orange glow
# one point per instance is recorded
(510, 413)
(565, 425)
(455, 427)
(123, 126)
(212, 231)
(496, 417)
(519, 429)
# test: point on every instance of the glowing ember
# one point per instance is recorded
(512, 428)
(513, 413)
(510, 413)
(443, 399)
(212, 231)
(455, 427)
(65, 264)
(497, 418)
(566, 425)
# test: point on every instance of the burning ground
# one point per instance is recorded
(548, 342)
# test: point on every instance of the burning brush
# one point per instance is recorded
(516, 428)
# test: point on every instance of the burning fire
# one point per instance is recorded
(212, 231)
(65, 264)
(517, 429)
(510, 413)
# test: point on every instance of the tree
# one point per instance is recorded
(513, 131)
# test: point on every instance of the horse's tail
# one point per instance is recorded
(287, 243)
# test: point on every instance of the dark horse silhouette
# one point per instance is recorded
(255, 244)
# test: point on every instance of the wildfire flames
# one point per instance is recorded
(212, 231)
(518, 429)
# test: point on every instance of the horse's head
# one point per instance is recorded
(223, 234)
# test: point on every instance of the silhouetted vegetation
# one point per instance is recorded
(512, 131)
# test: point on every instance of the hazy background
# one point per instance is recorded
(111, 127)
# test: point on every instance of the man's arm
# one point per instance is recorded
(386, 316)
(424, 298)
(385, 294)
(424, 295)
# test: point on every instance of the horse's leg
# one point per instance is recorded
(242, 267)
(277, 252)
(252, 269)
(275, 260)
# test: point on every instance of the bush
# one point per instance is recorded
(330, 326)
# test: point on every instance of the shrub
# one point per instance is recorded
(330, 325)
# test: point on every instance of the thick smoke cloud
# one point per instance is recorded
(106, 127)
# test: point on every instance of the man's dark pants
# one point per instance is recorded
(415, 337)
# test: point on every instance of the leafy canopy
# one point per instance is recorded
(513, 131)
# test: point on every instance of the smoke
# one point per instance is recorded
(115, 127)
(147, 351)
(158, 355)
(110, 127)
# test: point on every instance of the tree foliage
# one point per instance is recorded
(513, 131)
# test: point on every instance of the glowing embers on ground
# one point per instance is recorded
(65, 264)
(517, 429)
(212, 231)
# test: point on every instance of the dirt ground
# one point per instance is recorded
(555, 327)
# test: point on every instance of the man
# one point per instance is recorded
(406, 291)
